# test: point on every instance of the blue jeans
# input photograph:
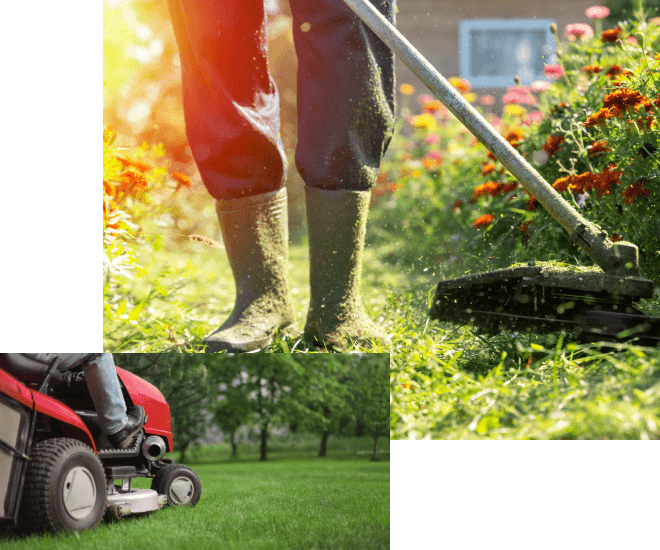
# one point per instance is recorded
(103, 385)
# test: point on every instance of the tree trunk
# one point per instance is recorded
(234, 446)
(264, 438)
(375, 456)
(324, 443)
(182, 458)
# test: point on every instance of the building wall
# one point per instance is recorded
(432, 27)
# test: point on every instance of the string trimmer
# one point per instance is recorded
(595, 303)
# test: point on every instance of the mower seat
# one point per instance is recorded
(25, 368)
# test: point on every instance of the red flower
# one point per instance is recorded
(610, 36)
(552, 144)
(615, 237)
(483, 221)
(633, 191)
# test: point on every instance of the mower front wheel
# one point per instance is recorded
(180, 483)
(65, 487)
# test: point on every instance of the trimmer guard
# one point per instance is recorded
(546, 298)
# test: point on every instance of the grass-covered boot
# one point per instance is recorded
(336, 225)
(256, 236)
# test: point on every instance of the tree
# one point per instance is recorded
(371, 394)
(229, 401)
(322, 394)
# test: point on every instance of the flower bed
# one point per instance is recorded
(591, 132)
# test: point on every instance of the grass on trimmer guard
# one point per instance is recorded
(542, 298)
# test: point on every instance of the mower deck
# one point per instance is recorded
(542, 299)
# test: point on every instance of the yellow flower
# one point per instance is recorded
(425, 121)
(470, 97)
(406, 89)
(460, 84)
(514, 109)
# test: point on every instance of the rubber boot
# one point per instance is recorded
(336, 225)
(256, 236)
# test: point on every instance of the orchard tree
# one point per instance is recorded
(371, 394)
(322, 394)
(229, 401)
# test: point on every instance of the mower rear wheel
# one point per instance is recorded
(65, 487)
(180, 483)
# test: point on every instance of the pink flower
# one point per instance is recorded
(495, 122)
(519, 95)
(486, 100)
(553, 71)
(541, 86)
(597, 12)
(424, 98)
(533, 118)
(632, 40)
(430, 139)
(435, 155)
(578, 29)
(654, 21)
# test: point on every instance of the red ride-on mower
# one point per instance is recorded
(57, 468)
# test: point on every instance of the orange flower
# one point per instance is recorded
(431, 164)
(610, 36)
(591, 69)
(457, 204)
(182, 179)
(490, 187)
(128, 163)
(552, 144)
(108, 134)
(513, 136)
(490, 155)
(620, 99)
(562, 184)
(132, 181)
(597, 148)
(524, 228)
(483, 221)
(633, 191)
(615, 237)
(109, 206)
(109, 189)
(601, 116)
(432, 106)
(460, 84)
(487, 168)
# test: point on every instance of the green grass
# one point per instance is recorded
(461, 386)
(310, 503)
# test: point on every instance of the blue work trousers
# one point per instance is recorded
(345, 95)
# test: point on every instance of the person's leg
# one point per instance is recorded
(103, 385)
(231, 107)
(230, 101)
(345, 123)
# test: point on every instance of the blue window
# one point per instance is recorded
(493, 51)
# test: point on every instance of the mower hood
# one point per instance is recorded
(149, 396)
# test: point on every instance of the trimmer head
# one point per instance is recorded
(544, 297)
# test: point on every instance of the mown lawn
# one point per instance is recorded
(337, 502)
